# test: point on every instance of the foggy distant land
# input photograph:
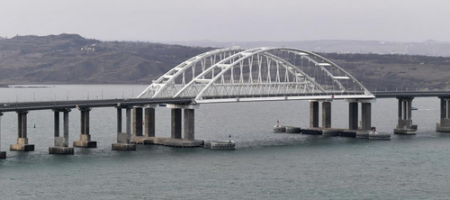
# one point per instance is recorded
(72, 59)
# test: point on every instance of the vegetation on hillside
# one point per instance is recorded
(70, 58)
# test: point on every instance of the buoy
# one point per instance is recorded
(34, 126)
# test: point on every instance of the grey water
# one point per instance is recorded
(265, 165)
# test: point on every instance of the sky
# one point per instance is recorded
(229, 20)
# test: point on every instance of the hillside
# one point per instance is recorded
(70, 58)
(396, 71)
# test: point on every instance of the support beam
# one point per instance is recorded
(150, 122)
(353, 116)
(189, 124)
(85, 137)
(313, 114)
(22, 140)
(366, 116)
(176, 123)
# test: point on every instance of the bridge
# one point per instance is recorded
(225, 76)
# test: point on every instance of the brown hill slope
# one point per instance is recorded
(396, 71)
(69, 58)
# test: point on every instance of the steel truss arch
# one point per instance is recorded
(158, 87)
(228, 63)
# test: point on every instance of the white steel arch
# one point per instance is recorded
(159, 86)
(275, 73)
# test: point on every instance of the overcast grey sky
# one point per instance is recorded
(229, 20)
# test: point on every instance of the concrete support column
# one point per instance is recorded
(56, 126)
(326, 114)
(61, 143)
(85, 137)
(409, 109)
(86, 130)
(128, 121)
(353, 116)
(2, 153)
(313, 114)
(366, 116)
(22, 140)
(124, 139)
(404, 125)
(444, 125)
(23, 126)
(137, 121)
(19, 125)
(189, 124)
(176, 123)
(150, 122)
(119, 120)
(66, 125)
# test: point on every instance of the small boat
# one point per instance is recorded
(414, 108)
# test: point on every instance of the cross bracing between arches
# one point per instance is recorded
(261, 73)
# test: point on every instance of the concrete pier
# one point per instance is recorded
(353, 115)
(444, 125)
(313, 114)
(137, 121)
(366, 116)
(326, 114)
(149, 122)
(2, 153)
(85, 137)
(189, 124)
(177, 130)
(176, 123)
(22, 140)
(61, 143)
(404, 125)
(124, 139)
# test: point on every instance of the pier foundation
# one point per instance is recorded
(444, 125)
(61, 143)
(22, 140)
(404, 125)
(85, 137)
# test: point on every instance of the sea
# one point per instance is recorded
(265, 165)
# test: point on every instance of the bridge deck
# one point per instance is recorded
(19, 106)
(394, 94)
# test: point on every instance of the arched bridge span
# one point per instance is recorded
(258, 74)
